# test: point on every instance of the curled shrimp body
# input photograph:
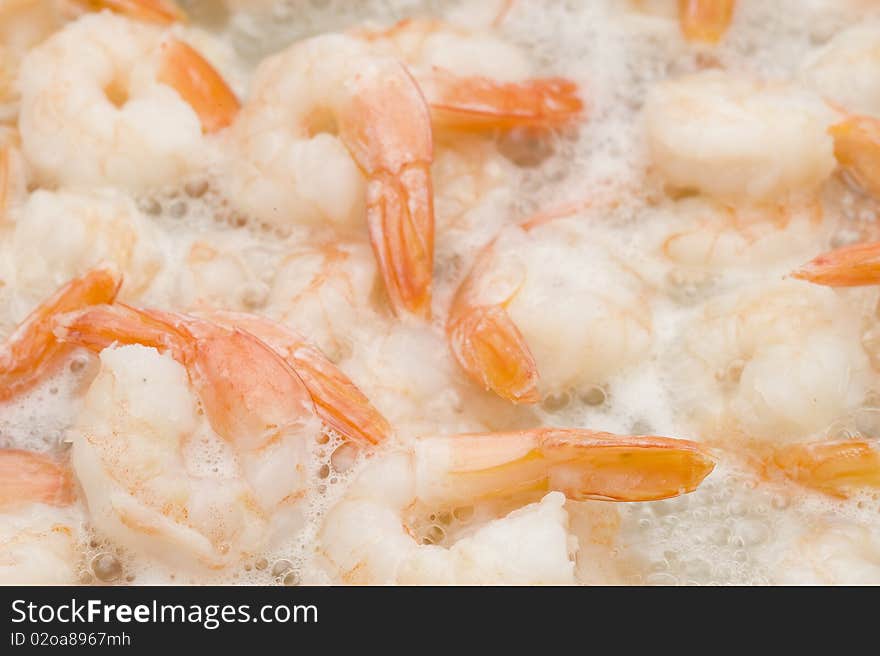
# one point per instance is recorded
(333, 133)
(164, 480)
(736, 138)
(774, 364)
(474, 80)
(846, 70)
(699, 234)
(126, 101)
(60, 235)
(39, 530)
(506, 325)
(366, 537)
(324, 291)
(23, 24)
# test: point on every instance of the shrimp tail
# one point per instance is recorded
(387, 129)
(338, 401)
(33, 351)
(103, 326)
(199, 84)
(850, 266)
(480, 103)
(834, 467)
(595, 465)
(705, 20)
(27, 477)
(162, 12)
(582, 464)
(857, 150)
(493, 352)
(400, 218)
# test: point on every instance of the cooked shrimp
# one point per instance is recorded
(38, 530)
(857, 149)
(834, 553)
(366, 539)
(32, 352)
(705, 20)
(772, 365)
(23, 24)
(506, 323)
(60, 235)
(473, 80)
(156, 477)
(846, 70)
(332, 132)
(702, 234)
(325, 291)
(835, 467)
(338, 401)
(124, 100)
(736, 138)
(13, 179)
(850, 266)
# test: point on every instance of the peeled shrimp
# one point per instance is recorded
(38, 529)
(123, 100)
(857, 149)
(474, 80)
(508, 321)
(63, 234)
(159, 477)
(701, 234)
(32, 352)
(333, 133)
(846, 70)
(736, 138)
(365, 537)
(23, 24)
(325, 291)
(772, 364)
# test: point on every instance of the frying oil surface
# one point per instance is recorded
(665, 271)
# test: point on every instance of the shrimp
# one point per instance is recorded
(833, 553)
(857, 149)
(735, 138)
(770, 364)
(700, 234)
(846, 70)
(126, 101)
(63, 234)
(366, 537)
(338, 401)
(849, 266)
(506, 323)
(473, 80)
(23, 24)
(33, 352)
(39, 530)
(13, 178)
(705, 20)
(324, 291)
(164, 480)
(333, 132)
